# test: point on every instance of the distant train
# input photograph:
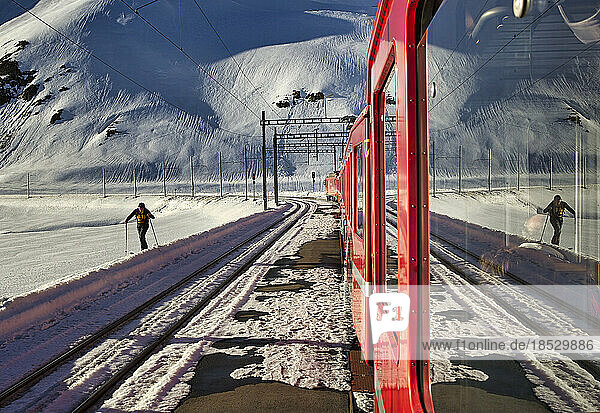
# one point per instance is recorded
(462, 73)
(331, 187)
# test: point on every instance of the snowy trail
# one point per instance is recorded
(66, 386)
(36, 327)
(56, 239)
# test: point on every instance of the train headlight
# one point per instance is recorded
(520, 8)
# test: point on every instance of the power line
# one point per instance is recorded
(191, 59)
(493, 56)
(458, 44)
(132, 80)
(231, 54)
(523, 89)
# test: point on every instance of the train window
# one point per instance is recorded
(514, 126)
(359, 190)
(387, 102)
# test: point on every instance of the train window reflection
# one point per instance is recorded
(388, 101)
(359, 190)
(514, 135)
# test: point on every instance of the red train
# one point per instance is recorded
(401, 380)
(464, 72)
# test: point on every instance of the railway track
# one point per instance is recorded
(264, 239)
(457, 268)
(544, 370)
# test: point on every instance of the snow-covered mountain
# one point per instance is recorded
(142, 99)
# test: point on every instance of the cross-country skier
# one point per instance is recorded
(556, 208)
(143, 216)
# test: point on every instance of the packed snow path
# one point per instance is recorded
(160, 386)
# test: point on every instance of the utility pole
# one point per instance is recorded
(253, 185)
(28, 186)
(192, 174)
(264, 159)
(246, 170)
(313, 178)
(275, 181)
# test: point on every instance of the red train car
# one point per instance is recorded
(385, 168)
(332, 187)
(463, 72)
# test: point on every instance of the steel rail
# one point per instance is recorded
(105, 388)
(588, 365)
(33, 377)
(564, 305)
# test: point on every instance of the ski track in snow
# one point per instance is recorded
(35, 327)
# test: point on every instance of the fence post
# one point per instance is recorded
(192, 174)
(460, 169)
(103, 183)
(28, 186)
(220, 175)
(134, 184)
(489, 169)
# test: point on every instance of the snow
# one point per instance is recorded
(300, 352)
(36, 326)
(516, 212)
(113, 123)
(56, 239)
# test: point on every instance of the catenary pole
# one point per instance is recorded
(220, 175)
(164, 179)
(264, 159)
(489, 169)
(246, 170)
(275, 180)
(460, 155)
(192, 175)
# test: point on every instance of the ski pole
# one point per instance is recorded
(126, 249)
(544, 230)
(155, 239)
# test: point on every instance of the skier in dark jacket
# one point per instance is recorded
(143, 216)
(556, 209)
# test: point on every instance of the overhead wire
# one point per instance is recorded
(231, 54)
(523, 89)
(465, 80)
(187, 55)
(457, 45)
(124, 75)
